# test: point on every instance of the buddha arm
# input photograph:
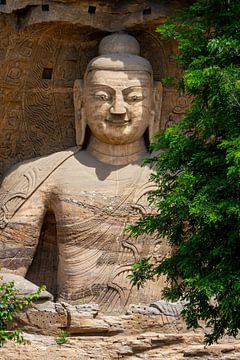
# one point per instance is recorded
(20, 227)
(24, 200)
(19, 238)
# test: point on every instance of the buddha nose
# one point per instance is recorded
(118, 107)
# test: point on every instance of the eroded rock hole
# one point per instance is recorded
(47, 73)
(45, 7)
(91, 9)
(147, 11)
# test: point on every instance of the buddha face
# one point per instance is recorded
(117, 105)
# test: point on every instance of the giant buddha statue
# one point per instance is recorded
(95, 189)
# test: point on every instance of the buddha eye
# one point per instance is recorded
(102, 96)
(134, 98)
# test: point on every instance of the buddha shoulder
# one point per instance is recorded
(24, 179)
(36, 170)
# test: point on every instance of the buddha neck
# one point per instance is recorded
(117, 154)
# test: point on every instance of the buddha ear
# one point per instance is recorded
(155, 118)
(80, 120)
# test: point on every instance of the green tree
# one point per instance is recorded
(10, 305)
(198, 175)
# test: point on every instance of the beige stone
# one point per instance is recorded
(92, 194)
(37, 114)
(44, 318)
(39, 117)
(106, 17)
(84, 324)
(24, 287)
(120, 347)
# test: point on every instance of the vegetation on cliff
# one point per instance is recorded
(198, 175)
(10, 305)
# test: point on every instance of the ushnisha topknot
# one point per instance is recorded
(119, 51)
(119, 43)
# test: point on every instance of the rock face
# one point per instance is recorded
(62, 223)
(24, 286)
(63, 213)
(93, 335)
(49, 318)
(43, 52)
(92, 193)
(151, 331)
(147, 346)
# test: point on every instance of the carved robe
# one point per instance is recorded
(92, 204)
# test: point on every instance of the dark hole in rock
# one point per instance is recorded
(47, 73)
(43, 270)
(147, 11)
(45, 7)
(91, 9)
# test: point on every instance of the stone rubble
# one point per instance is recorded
(149, 346)
(94, 335)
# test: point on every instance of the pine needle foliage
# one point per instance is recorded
(198, 173)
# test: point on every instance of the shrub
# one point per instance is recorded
(10, 305)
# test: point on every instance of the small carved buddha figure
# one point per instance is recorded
(94, 193)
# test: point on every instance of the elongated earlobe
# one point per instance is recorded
(155, 116)
(80, 120)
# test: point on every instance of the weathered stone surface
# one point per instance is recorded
(115, 324)
(85, 324)
(90, 195)
(139, 323)
(168, 308)
(106, 14)
(24, 286)
(197, 351)
(88, 309)
(45, 318)
(82, 251)
(122, 347)
(65, 39)
(157, 308)
(42, 53)
(113, 337)
(143, 310)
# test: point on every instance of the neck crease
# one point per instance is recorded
(117, 154)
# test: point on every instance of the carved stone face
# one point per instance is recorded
(117, 104)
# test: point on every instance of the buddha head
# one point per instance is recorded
(117, 99)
